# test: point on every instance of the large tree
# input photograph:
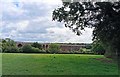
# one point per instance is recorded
(98, 48)
(103, 17)
(8, 45)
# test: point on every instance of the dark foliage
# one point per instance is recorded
(54, 48)
(37, 45)
(9, 46)
(27, 48)
(98, 48)
(104, 17)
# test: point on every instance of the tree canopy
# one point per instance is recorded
(103, 17)
(97, 47)
(37, 45)
(8, 45)
(54, 48)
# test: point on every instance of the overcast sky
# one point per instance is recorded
(32, 21)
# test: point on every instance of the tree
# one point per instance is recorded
(98, 48)
(9, 45)
(104, 17)
(0, 45)
(27, 49)
(37, 45)
(54, 48)
(11, 49)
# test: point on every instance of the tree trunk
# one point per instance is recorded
(111, 53)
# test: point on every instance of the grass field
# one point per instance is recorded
(57, 64)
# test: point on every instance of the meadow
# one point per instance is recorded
(57, 64)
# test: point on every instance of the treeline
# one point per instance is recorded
(10, 46)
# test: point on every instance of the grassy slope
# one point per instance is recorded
(56, 64)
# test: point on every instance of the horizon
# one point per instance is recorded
(51, 42)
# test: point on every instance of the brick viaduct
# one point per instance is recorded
(63, 46)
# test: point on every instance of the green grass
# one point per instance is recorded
(56, 64)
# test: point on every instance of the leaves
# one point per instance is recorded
(104, 17)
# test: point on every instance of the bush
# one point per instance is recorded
(20, 50)
(76, 51)
(98, 49)
(0, 50)
(72, 52)
(27, 49)
(43, 51)
(47, 51)
(11, 49)
(30, 49)
(85, 50)
(89, 46)
(37, 45)
(35, 50)
(54, 48)
(81, 50)
(8, 45)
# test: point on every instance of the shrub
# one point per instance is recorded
(0, 50)
(8, 45)
(89, 46)
(30, 49)
(98, 49)
(11, 49)
(43, 51)
(81, 50)
(54, 48)
(47, 51)
(72, 52)
(76, 51)
(37, 45)
(85, 50)
(20, 50)
(27, 49)
(35, 50)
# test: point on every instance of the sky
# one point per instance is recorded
(31, 21)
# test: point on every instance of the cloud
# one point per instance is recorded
(49, 2)
(22, 25)
(66, 35)
(32, 21)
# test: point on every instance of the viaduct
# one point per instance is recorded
(63, 46)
